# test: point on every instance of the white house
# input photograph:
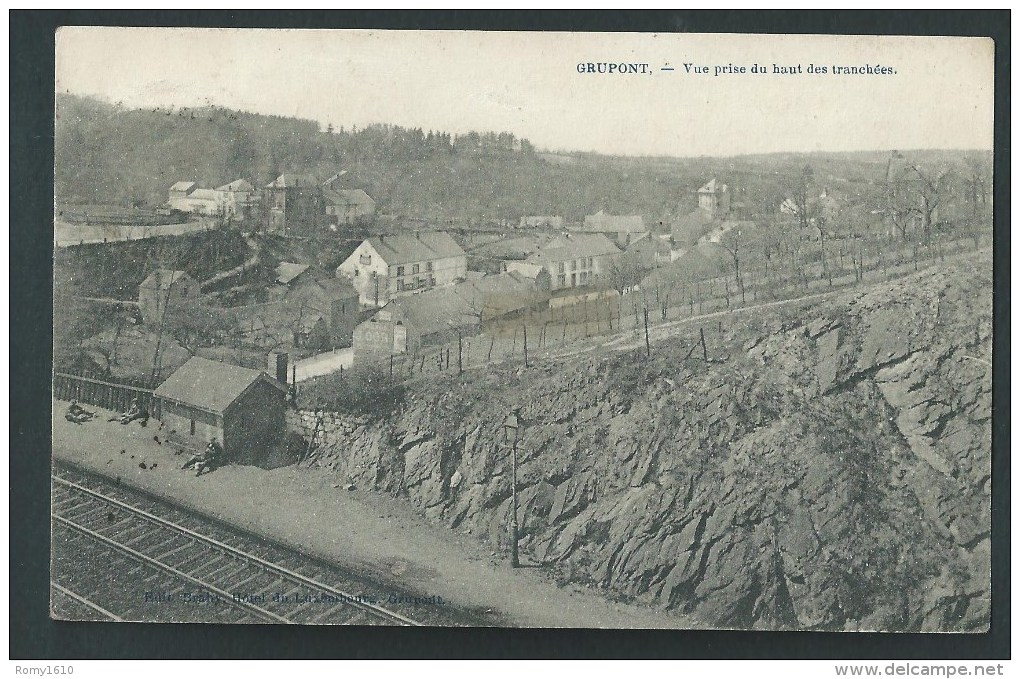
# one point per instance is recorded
(384, 267)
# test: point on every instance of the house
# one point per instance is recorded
(294, 204)
(714, 198)
(304, 289)
(541, 221)
(244, 409)
(164, 289)
(237, 198)
(186, 196)
(574, 259)
(438, 316)
(347, 206)
(284, 324)
(648, 250)
(384, 267)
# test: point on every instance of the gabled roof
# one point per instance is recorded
(692, 226)
(288, 271)
(211, 385)
(237, 186)
(713, 186)
(183, 187)
(293, 181)
(467, 303)
(573, 246)
(347, 197)
(419, 247)
(161, 279)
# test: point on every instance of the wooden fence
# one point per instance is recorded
(109, 395)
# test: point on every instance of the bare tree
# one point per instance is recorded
(933, 187)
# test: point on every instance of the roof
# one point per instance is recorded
(183, 187)
(238, 185)
(574, 246)
(164, 278)
(420, 247)
(293, 181)
(713, 186)
(601, 221)
(692, 226)
(210, 385)
(288, 271)
(351, 196)
(466, 304)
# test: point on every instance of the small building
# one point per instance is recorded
(164, 289)
(541, 222)
(244, 409)
(347, 206)
(382, 268)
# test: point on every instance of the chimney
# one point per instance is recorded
(277, 365)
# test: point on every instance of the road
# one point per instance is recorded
(323, 364)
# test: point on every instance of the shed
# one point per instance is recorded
(241, 407)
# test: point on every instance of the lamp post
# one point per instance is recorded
(511, 435)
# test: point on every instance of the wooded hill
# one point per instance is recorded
(107, 154)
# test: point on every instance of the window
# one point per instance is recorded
(561, 269)
(573, 279)
(400, 271)
(357, 272)
(428, 266)
(573, 265)
(589, 262)
(192, 427)
(561, 280)
(415, 268)
(365, 259)
(400, 285)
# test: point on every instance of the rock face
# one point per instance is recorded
(832, 473)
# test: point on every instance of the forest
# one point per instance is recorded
(108, 154)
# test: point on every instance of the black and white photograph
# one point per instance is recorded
(522, 329)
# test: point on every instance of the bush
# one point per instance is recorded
(362, 390)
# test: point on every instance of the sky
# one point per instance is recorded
(528, 83)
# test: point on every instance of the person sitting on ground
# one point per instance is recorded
(207, 460)
(135, 412)
(75, 413)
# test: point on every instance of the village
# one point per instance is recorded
(311, 300)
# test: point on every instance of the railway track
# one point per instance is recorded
(151, 560)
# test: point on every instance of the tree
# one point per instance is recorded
(933, 189)
(731, 242)
(624, 272)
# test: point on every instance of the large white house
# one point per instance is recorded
(384, 267)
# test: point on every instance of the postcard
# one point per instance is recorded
(521, 329)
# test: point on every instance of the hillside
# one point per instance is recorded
(105, 154)
(829, 469)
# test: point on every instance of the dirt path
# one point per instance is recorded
(368, 531)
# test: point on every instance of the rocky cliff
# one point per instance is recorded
(827, 468)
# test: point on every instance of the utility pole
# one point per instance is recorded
(648, 344)
(511, 433)
(526, 345)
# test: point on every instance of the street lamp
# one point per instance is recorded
(511, 435)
